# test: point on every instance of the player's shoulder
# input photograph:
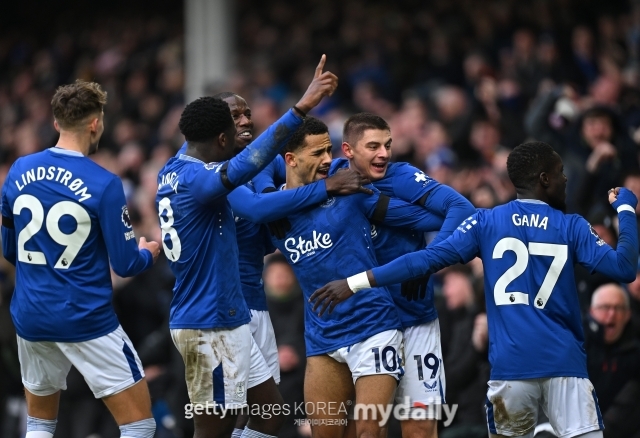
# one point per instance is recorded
(338, 163)
(401, 172)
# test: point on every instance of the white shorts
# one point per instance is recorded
(569, 402)
(217, 364)
(109, 364)
(263, 334)
(379, 354)
(423, 384)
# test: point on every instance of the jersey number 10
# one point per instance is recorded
(559, 254)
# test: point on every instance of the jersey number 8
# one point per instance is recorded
(72, 242)
(166, 225)
(559, 254)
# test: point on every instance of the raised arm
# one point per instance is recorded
(621, 264)
(264, 149)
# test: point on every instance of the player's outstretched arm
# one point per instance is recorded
(455, 208)
(126, 258)
(460, 247)
(264, 149)
(621, 264)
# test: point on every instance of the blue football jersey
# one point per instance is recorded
(199, 231)
(528, 250)
(64, 219)
(199, 240)
(332, 241)
(406, 182)
(329, 242)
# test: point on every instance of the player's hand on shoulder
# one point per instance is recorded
(330, 295)
(622, 196)
(153, 247)
(347, 182)
(323, 84)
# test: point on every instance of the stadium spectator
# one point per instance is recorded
(613, 358)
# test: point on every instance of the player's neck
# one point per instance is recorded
(530, 194)
(292, 181)
(73, 141)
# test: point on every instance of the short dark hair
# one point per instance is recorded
(310, 126)
(205, 118)
(355, 126)
(73, 103)
(527, 161)
(224, 94)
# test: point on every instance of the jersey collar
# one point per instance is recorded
(190, 158)
(62, 151)
(532, 201)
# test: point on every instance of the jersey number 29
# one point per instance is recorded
(72, 242)
(559, 254)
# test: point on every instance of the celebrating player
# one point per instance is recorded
(361, 343)
(253, 244)
(367, 146)
(64, 218)
(528, 248)
(209, 317)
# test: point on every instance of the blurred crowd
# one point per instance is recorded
(460, 82)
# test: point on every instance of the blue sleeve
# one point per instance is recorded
(267, 207)
(411, 183)
(462, 246)
(594, 254)
(8, 230)
(263, 149)
(125, 257)
(271, 176)
(455, 208)
(208, 184)
(398, 213)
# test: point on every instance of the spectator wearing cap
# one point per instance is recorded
(613, 361)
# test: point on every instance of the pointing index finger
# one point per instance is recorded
(320, 66)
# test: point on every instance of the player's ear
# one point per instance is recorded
(290, 159)
(347, 150)
(93, 125)
(222, 139)
(55, 125)
(544, 179)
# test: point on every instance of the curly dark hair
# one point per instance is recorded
(355, 126)
(527, 161)
(310, 126)
(205, 118)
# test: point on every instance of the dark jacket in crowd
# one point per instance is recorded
(614, 371)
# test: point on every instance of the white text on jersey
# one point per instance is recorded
(170, 179)
(320, 240)
(59, 174)
(531, 220)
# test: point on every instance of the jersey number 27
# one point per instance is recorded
(559, 254)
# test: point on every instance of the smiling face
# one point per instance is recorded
(370, 154)
(241, 114)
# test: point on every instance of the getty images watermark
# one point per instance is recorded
(360, 411)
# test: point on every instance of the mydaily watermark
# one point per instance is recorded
(342, 410)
